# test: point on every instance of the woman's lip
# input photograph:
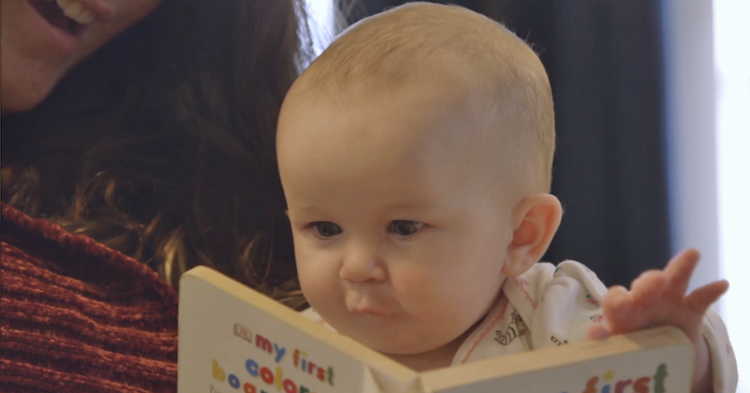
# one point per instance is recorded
(60, 39)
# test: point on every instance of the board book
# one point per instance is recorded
(234, 339)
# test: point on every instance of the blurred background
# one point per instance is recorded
(652, 103)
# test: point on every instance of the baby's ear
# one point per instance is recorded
(535, 221)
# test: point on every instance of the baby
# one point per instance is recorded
(415, 155)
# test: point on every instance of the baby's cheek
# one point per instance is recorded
(316, 273)
(420, 290)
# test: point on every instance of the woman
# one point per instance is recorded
(148, 126)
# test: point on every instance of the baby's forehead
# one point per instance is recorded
(406, 137)
(438, 106)
(419, 121)
(371, 113)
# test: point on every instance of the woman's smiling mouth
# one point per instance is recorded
(71, 15)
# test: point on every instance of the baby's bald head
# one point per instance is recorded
(460, 60)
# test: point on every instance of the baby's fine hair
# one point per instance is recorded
(424, 40)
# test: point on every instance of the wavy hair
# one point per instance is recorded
(161, 144)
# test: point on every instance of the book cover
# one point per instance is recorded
(234, 339)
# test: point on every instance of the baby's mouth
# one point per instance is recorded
(67, 15)
(359, 305)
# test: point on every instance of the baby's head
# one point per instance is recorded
(415, 155)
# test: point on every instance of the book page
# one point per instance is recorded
(654, 361)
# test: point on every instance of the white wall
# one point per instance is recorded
(708, 107)
(321, 17)
(688, 45)
(732, 66)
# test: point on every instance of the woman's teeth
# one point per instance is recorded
(76, 11)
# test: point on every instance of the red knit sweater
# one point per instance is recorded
(79, 317)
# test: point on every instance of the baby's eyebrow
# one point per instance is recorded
(406, 205)
(304, 211)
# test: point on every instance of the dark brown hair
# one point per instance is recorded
(161, 144)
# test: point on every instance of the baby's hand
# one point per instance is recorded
(658, 298)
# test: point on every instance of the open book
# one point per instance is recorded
(234, 339)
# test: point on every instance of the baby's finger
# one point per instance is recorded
(597, 332)
(649, 286)
(617, 299)
(620, 312)
(700, 299)
(680, 269)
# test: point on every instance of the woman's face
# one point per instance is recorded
(44, 39)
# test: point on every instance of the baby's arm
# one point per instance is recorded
(658, 297)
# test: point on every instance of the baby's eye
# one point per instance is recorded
(404, 228)
(325, 229)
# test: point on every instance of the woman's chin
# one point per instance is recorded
(23, 92)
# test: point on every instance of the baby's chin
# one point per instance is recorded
(424, 357)
(400, 344)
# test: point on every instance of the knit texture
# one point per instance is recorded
(80, 317)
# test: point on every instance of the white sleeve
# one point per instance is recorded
(558, 303)
(724, 364)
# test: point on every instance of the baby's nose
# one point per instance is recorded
(363, 267)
